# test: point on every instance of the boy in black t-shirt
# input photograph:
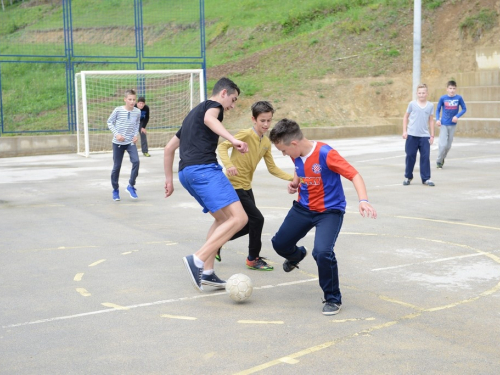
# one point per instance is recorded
(141, 104)
(202, 176)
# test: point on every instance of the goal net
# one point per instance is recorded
(170, 95)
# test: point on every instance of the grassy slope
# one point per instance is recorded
(286, 51)
(341, 62)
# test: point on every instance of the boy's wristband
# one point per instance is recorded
(363, 200)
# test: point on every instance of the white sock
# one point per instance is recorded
(198, 262)
(208, 272)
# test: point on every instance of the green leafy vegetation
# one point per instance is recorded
(475, 25)
(270, 47)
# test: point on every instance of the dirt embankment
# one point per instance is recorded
(375, 100)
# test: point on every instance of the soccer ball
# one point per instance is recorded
(239, 287)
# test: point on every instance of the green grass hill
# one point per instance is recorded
(321, 62)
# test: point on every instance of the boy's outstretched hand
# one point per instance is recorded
(366, 210)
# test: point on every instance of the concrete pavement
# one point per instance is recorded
(89, 285)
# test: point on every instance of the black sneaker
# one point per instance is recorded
(407, 181)
(331, 308)
(290, 265)
(194, 272)
(213, 280)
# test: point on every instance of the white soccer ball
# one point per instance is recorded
(239, 287)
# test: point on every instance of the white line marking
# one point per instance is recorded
(90, 313)
(261, 322)
(428, 261)
(178, 317)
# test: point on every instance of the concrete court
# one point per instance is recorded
(93, 286)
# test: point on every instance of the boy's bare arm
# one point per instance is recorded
(431, 128)
(168, 162)
(293, 186)
(405, 125)
(216, 126)
(365, 208)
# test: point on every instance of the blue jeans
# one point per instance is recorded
(298, 222)
(118, 152)
(422, 145)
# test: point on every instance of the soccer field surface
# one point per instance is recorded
(94, 286)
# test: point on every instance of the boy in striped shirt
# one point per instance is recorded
(321, 204)
(124, 123)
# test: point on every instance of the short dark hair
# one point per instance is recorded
(225, 84)
(129, 92)
(261, 107)
(451, 83)
(285, 131)
(141, 99)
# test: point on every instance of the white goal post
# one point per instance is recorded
(170, 95)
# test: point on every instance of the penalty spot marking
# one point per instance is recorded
(129, 252)
(178, 317)
(83, 292)
(96, 263)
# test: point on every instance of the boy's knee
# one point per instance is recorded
(323, 255)
(278, 245)
(259, 221)
(242, 220)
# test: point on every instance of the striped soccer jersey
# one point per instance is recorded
(125, 123)
(319, 172)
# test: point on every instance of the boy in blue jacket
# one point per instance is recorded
(450, 104)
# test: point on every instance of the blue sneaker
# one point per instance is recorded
(290, 265)
(131, 191)
(116, 195)
(213, 280)
(194, 272)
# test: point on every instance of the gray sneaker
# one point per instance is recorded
(428, 183)
(213, 280)
(407, 181)
(290, 265)
(331, 308)
(195, 273)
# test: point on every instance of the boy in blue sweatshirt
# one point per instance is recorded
(450, 104)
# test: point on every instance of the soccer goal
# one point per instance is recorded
(170, 95)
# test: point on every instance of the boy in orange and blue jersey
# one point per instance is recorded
(321, 204)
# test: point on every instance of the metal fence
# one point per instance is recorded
(43, 43)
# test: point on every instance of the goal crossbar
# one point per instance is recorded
(170, 95)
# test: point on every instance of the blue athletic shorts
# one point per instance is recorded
(209, 186)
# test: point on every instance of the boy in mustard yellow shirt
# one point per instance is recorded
(240, 169)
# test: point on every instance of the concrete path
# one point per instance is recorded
(93, 286)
